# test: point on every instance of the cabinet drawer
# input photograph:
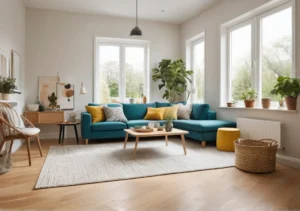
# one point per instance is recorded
(50, 117)
(32, 117)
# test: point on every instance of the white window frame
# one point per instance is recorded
(122, 44)
(254, 19)
(190, 45)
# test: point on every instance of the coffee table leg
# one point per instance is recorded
(75, 128)
(63, 135)
(183, 143)
(137, 139)
(166, 137)
(60, 130)
(126, 139)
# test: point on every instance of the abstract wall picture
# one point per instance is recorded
(47, 85)
(65, 94)
(4, 66)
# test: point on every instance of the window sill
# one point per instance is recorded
(260, 109)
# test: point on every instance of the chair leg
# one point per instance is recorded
(28, 150)
(1, 146)
(11, 145)
(39, 144)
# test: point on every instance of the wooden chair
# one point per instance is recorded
(10, 132)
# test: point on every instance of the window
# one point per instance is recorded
(196, 62)
(121, 70)
(258, 49)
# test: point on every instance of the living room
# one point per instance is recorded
(67, 43)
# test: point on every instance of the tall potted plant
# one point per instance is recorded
(249, 96)
(173, 76)
(289, 88)
(8, 87)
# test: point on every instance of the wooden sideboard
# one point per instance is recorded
(45, 117)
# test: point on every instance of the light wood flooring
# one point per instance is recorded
(224, 189)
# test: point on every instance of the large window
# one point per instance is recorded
(258, 50)
(196, 62)
(121, 70)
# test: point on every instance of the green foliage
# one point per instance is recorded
(169, 119)
(249, 94)
(287, 87)
(7, 85)
(173, 77)
(53, 100)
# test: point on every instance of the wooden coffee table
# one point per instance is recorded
(138, 135)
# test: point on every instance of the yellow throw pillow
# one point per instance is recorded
(97, 113)
(171, 112)
(154, 113)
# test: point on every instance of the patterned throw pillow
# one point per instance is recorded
(184, 111)
(114, 114)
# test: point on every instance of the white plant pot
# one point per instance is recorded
(6, 96)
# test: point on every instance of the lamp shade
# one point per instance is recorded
(136, 32)
(82, 90)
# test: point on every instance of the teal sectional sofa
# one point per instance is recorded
(202, 126)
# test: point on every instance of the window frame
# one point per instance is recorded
(190, 46)
(254, 18)
(122, 44)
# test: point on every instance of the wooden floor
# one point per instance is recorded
(224, 189)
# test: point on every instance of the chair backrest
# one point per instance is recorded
(12, 120)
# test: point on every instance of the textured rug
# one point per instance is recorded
(83, 164)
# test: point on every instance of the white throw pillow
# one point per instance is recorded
(184, 111)
(12, 117)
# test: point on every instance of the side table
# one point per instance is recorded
(62, 126)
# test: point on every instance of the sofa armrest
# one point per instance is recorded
(212, 115)
(86, 124)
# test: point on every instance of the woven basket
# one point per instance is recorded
(256, 156)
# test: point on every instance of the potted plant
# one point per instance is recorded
(249, 97)
(53, 101)
(174, 78)
(8, 87)
(266, 102)
(231, 103)
(169, 124)
(289, 88)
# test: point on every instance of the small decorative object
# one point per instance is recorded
(153, 124)
(144, 99)
(58, 108)
(72, 117)
(266, 102)
(33, 107)
(8, 87)
(131, 100)
(281, 103)
(256, 156)
(53, 101)
(289, 88)
(231, 104)
(176, 75)
(65, 95)
(169, 124)
(160, 128)
(41, 107)
(82, 90)
(249, 97)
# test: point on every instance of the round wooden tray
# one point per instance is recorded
(143, 130)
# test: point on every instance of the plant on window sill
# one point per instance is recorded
(249, 97)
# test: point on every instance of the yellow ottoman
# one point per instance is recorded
(226, 138)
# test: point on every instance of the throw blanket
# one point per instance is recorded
(5, 162)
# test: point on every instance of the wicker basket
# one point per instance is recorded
(256, 156)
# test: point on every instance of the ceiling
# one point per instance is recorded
(176, 11)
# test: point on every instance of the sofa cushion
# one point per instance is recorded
(155, 114)
(108, 105)
(184, 111)
(136, 111)
(171, 112)
(200, 111)
(166, 104)
(133, 123)
(108, 126)
(97, 113)
(114, 114)
(202, 125)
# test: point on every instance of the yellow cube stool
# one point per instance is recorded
(226, 138)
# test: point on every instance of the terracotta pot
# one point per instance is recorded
(291, 103)
(266, 102)
(249, 103)
(230, 105)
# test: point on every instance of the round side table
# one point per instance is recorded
(62, 127)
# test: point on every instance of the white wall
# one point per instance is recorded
(12, 36)
(63, 42)
(210, 21)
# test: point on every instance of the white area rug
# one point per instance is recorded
(83, 164)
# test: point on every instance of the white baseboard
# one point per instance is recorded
(288, 161)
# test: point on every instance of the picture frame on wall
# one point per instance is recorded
(47, 86)
(4, 65)
(16, 68)
(65, 96)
